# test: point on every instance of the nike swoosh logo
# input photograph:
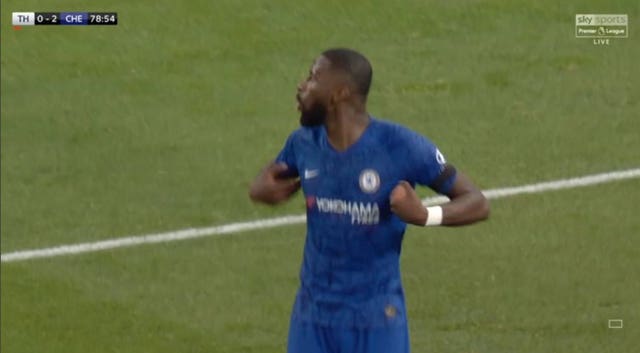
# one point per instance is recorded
(310, 173)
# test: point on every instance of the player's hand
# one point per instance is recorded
(272, 186)
(406, 204)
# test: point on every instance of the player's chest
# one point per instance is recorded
(365, 176)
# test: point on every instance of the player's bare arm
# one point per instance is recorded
(271, 186)
(468, 204)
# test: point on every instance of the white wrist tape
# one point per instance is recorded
(434, 216)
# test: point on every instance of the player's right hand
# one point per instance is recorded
(272, 186)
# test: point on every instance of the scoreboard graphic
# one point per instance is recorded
(65, 18)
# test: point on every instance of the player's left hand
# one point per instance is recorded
(406, 204)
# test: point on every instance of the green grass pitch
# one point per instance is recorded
(161, 122)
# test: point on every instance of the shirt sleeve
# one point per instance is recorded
(288, 156)
(426, 165)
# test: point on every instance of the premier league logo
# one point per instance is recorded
(369, 181)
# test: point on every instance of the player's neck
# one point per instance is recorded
(345, 126)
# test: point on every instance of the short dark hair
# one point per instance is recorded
(354, 64)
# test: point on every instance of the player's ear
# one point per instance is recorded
(342, 93)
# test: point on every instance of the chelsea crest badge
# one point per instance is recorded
(369, 181)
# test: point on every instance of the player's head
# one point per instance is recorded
(336, 76)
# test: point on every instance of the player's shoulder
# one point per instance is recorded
(390, 128)
(397, 135)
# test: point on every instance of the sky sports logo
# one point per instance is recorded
(360, 212)
(602, 26)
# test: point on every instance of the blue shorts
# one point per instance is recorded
(310, 338)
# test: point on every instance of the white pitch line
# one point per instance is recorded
(295, 219)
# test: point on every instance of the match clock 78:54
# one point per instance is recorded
(103, 18)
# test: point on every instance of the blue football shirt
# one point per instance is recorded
(350, 273)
